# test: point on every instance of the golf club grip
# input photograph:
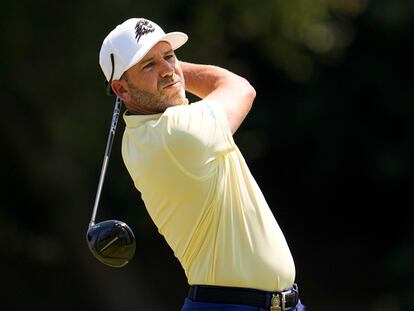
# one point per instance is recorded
(112, 129)
(108, 148)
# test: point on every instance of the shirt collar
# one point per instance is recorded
(137, 120)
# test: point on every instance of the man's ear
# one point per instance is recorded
(120, 88)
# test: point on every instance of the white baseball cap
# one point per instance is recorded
(129, 42)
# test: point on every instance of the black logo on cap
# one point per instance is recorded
(143, 27)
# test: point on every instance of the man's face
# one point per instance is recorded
(156, 82)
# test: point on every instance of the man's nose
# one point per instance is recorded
(167, 69)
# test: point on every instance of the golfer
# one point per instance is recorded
(192, 177)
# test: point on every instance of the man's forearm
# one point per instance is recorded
(201, 80)
(232, 92)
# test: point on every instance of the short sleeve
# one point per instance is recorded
(194, 136)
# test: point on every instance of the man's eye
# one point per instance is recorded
(169, 56)
(149, 65)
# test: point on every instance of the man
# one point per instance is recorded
(192, 177)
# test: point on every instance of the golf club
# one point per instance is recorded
(112, 242)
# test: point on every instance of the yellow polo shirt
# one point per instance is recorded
(202, 197)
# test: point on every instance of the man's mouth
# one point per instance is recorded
(170, 84)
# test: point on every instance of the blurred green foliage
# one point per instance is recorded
(329, 139)
(288, 34)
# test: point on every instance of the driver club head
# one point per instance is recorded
(112, 242)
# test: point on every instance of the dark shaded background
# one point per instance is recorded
(329, 140)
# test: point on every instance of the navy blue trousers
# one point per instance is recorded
(190, 305)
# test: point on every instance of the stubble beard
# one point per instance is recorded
(149, 103)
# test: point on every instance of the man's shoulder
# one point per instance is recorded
(202, 106)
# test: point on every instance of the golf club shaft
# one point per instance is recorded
(108, 148)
